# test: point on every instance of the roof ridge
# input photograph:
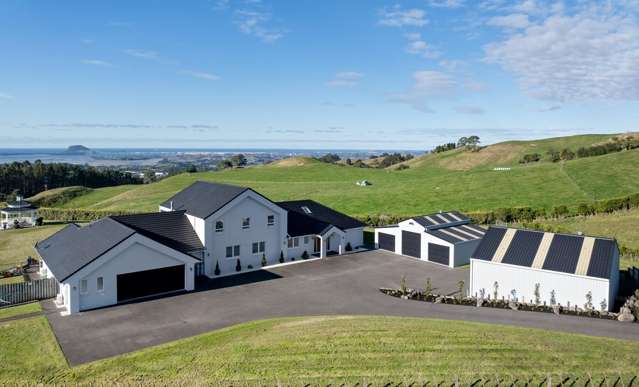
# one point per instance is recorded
(553, 232)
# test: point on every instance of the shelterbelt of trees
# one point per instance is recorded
(29, 178)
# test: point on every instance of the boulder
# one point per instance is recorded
(625, 315)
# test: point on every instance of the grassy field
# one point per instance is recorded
(11, 280)
(20, 310)
(17, 245)
(422, 189)
(321, 349)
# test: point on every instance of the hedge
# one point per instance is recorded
(78, 214)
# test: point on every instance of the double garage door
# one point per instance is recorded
(411, 246)
(150, 282)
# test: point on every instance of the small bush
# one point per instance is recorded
(281, 257)
(304, 255)
(217, 268)
(349, 247)
(264, 263)
(250, 267)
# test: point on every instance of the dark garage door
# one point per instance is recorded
(150, 282)
(439, 253)
(411, 244)
(386, 241)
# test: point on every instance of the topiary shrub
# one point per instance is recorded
(304, 255)
(217, 268)
(250, 267)
(281, 257)
(238, 265)
(264, 263)
(349, 247)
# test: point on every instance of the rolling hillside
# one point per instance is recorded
(429, 185)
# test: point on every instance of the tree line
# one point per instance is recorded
(470, 143)
(28, 178)
(615, 145)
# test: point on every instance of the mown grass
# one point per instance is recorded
(324, 349)
(422, 189)
(20, 310)
(12, 280)
(17, 245)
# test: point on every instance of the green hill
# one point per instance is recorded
(427, 186)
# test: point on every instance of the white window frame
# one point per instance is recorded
(270, 220)
(226, 252)
(99, 284)
(296, 242)
(258, 247)
(236, 251)
(246, 223)
(84, 286)
(290, 243)
(306, 239)
(219, 229)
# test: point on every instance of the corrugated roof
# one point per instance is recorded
(202, 199)
(561, 252)
(441, 219)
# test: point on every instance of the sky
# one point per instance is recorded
(358, 74)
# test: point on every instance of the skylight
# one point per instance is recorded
(306, 209)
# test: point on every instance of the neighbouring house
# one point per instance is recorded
(207, 229)
(447, 238)
(564, 269)
(20, 213)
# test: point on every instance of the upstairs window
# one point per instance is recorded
(246, 222)
(307, 210)
(270, 220)
(219, 226)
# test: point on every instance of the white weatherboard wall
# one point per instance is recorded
(137, 253)
(355, 236)
(568, 287)
(257, 208)
(296, 252)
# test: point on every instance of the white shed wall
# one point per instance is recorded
(567, 287)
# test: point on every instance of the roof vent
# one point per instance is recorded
(580, 233)
(306, 210)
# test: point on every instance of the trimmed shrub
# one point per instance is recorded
(281, 257)
(217, 268)
(264, 263)
(238, 265)
(349, 247)
(304, 255)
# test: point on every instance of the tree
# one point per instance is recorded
(553, 297)
(238, 160)
(330, 158)
(567, 154)
(554, 156)
(224, 164)
(462, 142)
(191, 169)
(495, 290)
(460, 286)
(537, 295)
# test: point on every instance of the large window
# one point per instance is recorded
(219, 226)
(246, 222)
(259, 247)
(232, 251)
(83, 287)
(270, 220)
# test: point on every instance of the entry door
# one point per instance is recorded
(317, 244)
(411, 244)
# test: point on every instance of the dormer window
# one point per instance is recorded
(219, 226)
(270, 220)
(306, 210)
(246, 222)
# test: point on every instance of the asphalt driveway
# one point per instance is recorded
(335, 285)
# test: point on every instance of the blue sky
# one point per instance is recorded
(314, 74)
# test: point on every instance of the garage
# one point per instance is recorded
(411, 244)
(439, 254)
(150, 282)
(387, 242)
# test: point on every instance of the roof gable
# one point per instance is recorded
(202, 199)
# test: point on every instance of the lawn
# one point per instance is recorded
(321, 349)
(17, 245)
(19, 310)
(421, 189)
(11, 280)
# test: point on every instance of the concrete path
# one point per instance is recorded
(344, 285)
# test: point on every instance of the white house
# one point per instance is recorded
(564, 268)
(19, 212)
(447, 238)
(206, 229)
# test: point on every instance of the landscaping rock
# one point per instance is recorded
(439, 300)
(626, 315)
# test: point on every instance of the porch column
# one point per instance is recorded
(322, 247)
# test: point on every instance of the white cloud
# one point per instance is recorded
(143, 54)
(513, 21)
(257, 23)
(397, 17)
(589, 55)
(5, 97)
(527, 6)
(427, 84)
(416, 45)
(446, 3)
(469, 109)
(346, 79)
(200, 75)
(550, 108)
(97, 62)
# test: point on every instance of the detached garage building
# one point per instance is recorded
(121, 258)
(570, 265)
(447, 238)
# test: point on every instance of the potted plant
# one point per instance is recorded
(264, 263)
(281, 257)
(304, 255)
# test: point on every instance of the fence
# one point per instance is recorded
(12, 294)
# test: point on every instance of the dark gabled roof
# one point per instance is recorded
(559, 252)
(171, 229)
(441, 219)
(74, 247)
(202, 199)
(19, 209)
(318, 220)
